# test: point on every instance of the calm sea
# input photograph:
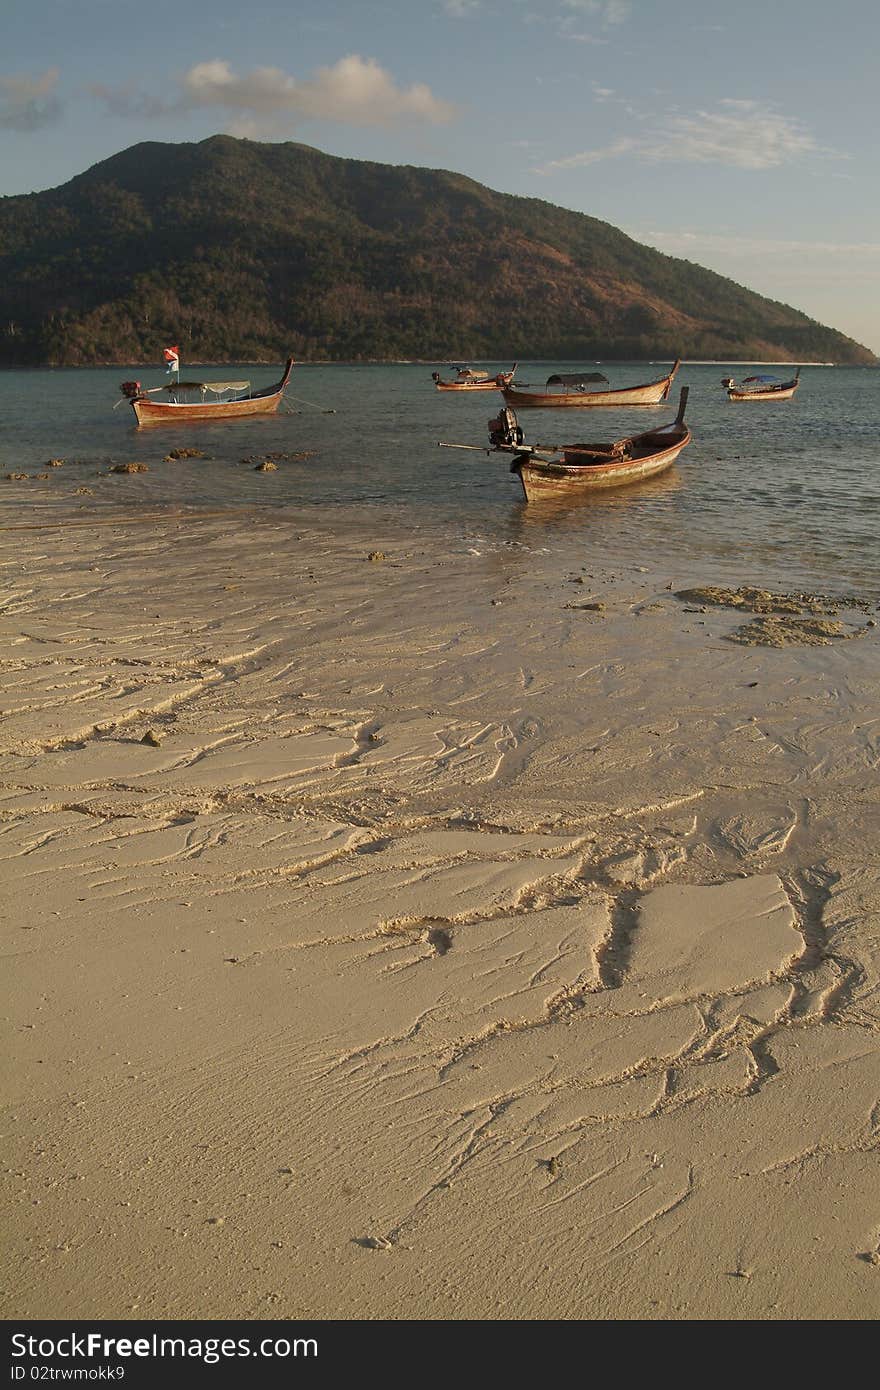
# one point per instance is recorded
(784, 494)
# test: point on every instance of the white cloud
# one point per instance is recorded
(29, 103)
(625, 145)
(605, 13)
(608, 11)
(744, 134)
(355, 91)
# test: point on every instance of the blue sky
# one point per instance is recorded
(742, 137)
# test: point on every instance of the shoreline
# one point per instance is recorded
(269, 362)
(437, 934)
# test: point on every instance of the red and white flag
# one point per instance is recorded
(172, 357)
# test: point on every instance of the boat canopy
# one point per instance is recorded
(216, 386)
(763, 379)
(575, 378)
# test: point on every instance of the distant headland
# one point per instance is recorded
(241, 251)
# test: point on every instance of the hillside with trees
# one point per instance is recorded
(241, 251)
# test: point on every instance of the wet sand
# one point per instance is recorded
(442, 934)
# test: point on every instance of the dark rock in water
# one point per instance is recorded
(130, 468)
(279, 457)
(17, 477)
(267, 466)
(377, 555)
(55, 463)
(184, 454)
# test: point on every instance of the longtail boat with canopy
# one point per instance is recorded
(201, 400)
(762, 388)
(571, 389)
(467, 379)
(572, 469)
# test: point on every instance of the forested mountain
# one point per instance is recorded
(239, 251)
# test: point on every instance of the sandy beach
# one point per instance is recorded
(403, 933)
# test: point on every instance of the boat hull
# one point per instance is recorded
(785, 394)
(491, 385)
(650, 393)
(542, 478)
(149, 412)
(485, 383)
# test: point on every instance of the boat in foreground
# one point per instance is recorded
(572, 469)
(762, 388)
(571, 390)
(192, 400)
(469, 380)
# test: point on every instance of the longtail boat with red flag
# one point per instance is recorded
(201, 400)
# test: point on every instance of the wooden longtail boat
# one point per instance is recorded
(570, 391)
(469, 380)
(190, 400)
(762, 388)
(576, 468)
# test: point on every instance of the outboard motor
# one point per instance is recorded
(504, 430)
(130, 389)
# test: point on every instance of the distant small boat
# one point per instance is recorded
(571, 390)
(467, 379)
(762, 388)
(192, 400)
(572, 469)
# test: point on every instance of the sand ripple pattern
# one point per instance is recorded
(434, 956)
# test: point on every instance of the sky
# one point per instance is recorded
(742, 137)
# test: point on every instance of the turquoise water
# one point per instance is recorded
(783, 494)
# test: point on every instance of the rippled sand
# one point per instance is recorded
(470, 937)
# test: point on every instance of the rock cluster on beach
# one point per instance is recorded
(808, 620)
